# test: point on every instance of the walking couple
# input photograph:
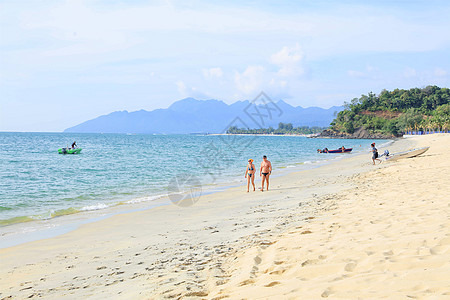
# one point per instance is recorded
(264, 172)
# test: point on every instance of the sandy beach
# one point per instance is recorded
(346, 230)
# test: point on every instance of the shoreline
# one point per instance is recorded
(76, 216)
(37, 229)
(177, 250)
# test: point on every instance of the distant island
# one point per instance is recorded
(393, 113)
(283, 129)
(387, 115)
(190, 115)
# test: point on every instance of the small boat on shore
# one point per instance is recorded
(69, 150)
(341, 150)
(407, 154)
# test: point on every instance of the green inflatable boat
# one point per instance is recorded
(69, 150)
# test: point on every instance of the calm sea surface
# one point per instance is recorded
(38, 183)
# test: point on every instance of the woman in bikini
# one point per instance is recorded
(250, 171)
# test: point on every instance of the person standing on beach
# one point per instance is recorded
(264, 172)
(374, 153)
(250, 171)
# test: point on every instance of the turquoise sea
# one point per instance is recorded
(38, 183)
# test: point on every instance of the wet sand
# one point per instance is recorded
(348, 229)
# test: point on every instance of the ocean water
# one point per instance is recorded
(38, 183)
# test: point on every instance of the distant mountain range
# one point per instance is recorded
(207, 116)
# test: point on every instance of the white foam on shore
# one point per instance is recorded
(145, 199)
(41, 217)
(389, 142)
(95, 207)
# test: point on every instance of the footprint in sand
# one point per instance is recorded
(220, 282)
(445, 241)
(277, 272)
(350, 267)
(309, 262)
(220, 297)
(438, 250)
(326, 293)
(246, 282)
(272, 284)
(196, 294)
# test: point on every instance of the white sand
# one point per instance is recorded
(348, 230)
(387, 237)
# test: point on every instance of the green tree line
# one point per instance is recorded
(397, 111)
(283, 128)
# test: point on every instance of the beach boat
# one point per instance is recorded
(340, 150)
(407, 154)
(69, 151)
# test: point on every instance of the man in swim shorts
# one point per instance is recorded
(264, 172)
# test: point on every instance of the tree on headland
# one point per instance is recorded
(409, 118)
(392, 112)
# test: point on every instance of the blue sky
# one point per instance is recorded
(63, 62)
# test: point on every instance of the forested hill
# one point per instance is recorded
(392, 113)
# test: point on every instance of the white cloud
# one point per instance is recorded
(278, 83)
(93, 27)
(137, 46)
(182, 88)
(409, 73)
(370, 72)
(190, 91)
(356, 74)
(251, 80)
(370, 68)
(429, 75)
(212, 73)
(290, 60)
(440, 72)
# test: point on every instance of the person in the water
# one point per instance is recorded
(250, 174)
(264, 172)
(74, 145)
